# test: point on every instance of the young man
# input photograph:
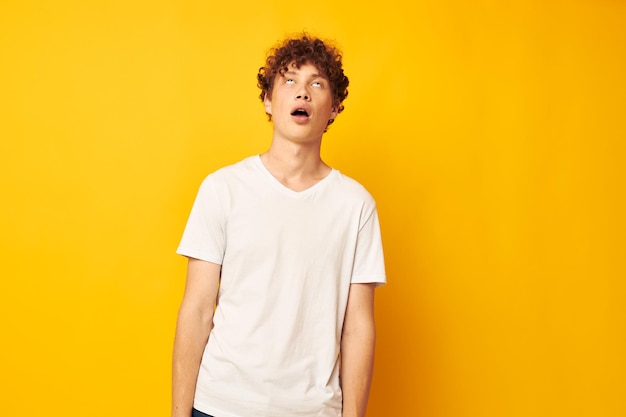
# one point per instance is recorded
(277, 318)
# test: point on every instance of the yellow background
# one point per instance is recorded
(492, 135)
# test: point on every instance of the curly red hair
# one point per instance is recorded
(299, 51)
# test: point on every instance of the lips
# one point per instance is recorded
(301, 111)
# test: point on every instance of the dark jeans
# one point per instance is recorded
(196, 413)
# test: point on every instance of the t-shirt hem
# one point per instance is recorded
(212, 411)
(196, 254)
(218, 412)
(379, 280)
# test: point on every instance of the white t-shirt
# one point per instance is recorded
(288, 259)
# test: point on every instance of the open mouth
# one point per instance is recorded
(300, 112)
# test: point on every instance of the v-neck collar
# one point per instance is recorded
(282, 187)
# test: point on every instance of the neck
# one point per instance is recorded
(297, 166)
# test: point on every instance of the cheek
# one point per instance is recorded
(279, 95)
(328, 104)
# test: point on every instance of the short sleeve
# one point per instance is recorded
(204, 235)
(369, 263)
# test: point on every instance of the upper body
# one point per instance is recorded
(289, 252)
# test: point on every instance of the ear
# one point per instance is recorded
(268, 105)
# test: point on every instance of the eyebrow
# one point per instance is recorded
(290, 72)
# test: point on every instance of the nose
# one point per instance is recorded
(303, 94)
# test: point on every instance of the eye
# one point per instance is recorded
(289, 81)
(316, 84)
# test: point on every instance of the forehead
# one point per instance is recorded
(308, 69)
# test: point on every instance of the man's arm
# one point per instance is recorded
(195, 320)
(357, 349)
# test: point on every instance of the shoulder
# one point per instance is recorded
(243, 167)
(352, 189)
(230, 174)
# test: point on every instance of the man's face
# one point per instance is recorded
(301, 104)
